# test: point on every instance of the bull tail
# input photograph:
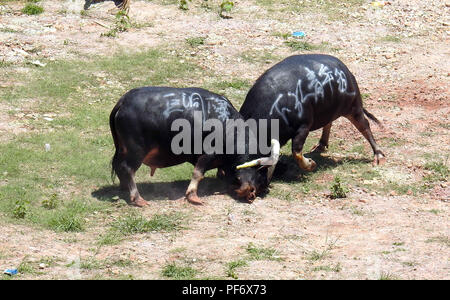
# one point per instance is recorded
(372, 117)
(112, 125)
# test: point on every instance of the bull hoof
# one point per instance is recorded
(194, 199)
(139, 202)
(319, 148)
(379, 159)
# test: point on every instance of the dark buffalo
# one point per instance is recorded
(308, 92)
(141, 126)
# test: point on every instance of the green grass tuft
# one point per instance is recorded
(32, 9)
(260, 253)
(232, 266)
(173, 271)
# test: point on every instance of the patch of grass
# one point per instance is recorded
(439, 239)
(365, 96)
(91, 263)
(283, 35)
(134, 223)
(328, 9)
(79, 135)
(196, 41)
(297, 45)
(20, 209)
(337, 189)
(391, 39)
(32, 9)
(398, 243)
(121, 24)
(51, 202)
(435, 211)
(233, 266)
(225, 8)
(357, 211)
(8, 30)
(238, 84)
(337, 268)
(66, 220)
(261, 253)
(111, 237)
(178, 250)
(440, 171)
(388, 276)
(264, 56)
(410, 263)
(173, 271)
(316, 255)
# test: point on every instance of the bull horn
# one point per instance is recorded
(265, 161)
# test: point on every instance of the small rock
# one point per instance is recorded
(42, 266)
(37, 63)
(393, 193)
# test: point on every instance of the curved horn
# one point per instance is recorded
(265, 161)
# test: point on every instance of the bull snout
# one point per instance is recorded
(247, 191)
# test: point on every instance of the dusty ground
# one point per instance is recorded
(370, 234)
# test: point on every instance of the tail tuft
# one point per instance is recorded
(372, 117)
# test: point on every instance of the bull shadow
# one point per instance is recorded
(156, 191)
(288, 171)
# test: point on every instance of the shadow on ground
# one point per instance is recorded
(286, 171)
(154, 191)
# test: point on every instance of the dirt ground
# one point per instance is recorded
(368, 235)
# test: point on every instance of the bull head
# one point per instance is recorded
(269, 162)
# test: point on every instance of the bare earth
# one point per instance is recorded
(368, 234)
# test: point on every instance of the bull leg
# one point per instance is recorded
(363, 126)
(203, 164)
(322, 146)
(125, 170)
(298, 141)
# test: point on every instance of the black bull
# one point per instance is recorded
(308, 92)
(141, 126)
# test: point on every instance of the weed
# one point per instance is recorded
(196, 41)
(173, 271)
(232, 266)
(20, 209)
(32, 9)
(225, 7)
(439, 239)
(121, 24)
(50, 202)
(283, 35)
(337, 189)
(337, 268)
(440, 171)
(387, 276)
(391, 38)
(184, 4)
(260, 253)
(300, 45)
(134, 223)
